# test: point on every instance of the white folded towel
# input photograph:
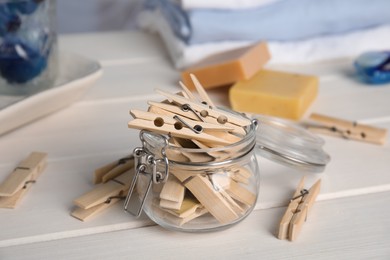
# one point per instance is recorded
(223, 4)
(295, 52)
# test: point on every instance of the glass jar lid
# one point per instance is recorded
(285, 142)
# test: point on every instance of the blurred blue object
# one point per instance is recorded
(9, 21)
(24, 7)
(19, 62)
(374, 67)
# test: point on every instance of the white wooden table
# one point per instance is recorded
(351, 220)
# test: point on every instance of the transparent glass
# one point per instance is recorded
(287, 143)
(28, 46)
(221, 185)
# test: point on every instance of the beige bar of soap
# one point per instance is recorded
(275, 93)
(227, 68)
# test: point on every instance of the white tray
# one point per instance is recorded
(76, 75)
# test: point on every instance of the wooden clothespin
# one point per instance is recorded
(21, 179)
(112, 187)
(346, 129)
(202, 92)
(189, 210)
(169, 109)
(160, 126)
(113, 169)
(297, 210)
(204, 191)
(205, 111)
(172, 194)
(188, 92)
(178, 121)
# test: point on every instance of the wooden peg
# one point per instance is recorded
(173, 120)
(202, 93)
(188, 92)
(346, 129)
(297, 211)
(172, 191)
(241, 194)
(241, 175)
(102, 196)
(190, 209)
(211, 199)
(195, 156)
(170, 110)
(21, 179)
(219, 155)
(205, 111)
(113, 169)
(170, 129)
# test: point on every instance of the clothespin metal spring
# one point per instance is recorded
(146, 165)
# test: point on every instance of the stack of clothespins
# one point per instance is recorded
(190, 118)
(297, 31)
(112, 183)
(228, 193)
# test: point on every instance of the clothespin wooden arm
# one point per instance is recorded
(202, 93)
(27, 170)
(297, 210)
(347, 129)
(171, 110)
(113, 169)
(102, 196)
(170, 129)
(19, 181)
(103, 191)
(204, 109)
(188, 92)
(176, 120)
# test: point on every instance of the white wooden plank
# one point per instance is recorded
(109, 47)
(94, 129)
(355, 168)
(347, 98)
(76, 131)
(45, 213)
(347, 228)
(325, 69)
(70, 174)
(133, 80)
(97, 127)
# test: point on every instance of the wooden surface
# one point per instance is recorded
(351, 220)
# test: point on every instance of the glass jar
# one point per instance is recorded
(204, 189)
(28, 46)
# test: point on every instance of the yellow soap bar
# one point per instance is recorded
(274, 93)
(228, 67)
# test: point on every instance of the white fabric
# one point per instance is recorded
(307, 51)
(224, 4)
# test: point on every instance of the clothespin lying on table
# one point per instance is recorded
(346, 129)
(297, 210)
(113, 183)
(21, 179)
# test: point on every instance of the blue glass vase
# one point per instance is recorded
(28, 46)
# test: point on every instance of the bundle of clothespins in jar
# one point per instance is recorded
(213, 177)
(183, 115)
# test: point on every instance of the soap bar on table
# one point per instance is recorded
(274, 93)
(227, 68)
